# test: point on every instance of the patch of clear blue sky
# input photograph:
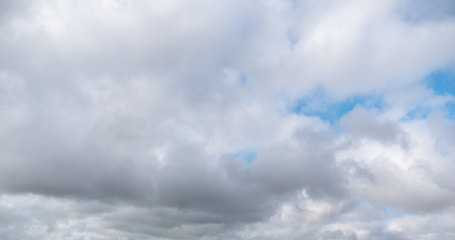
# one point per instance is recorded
(319, 104)
(419, 112)
(247, 155)
(443, 83)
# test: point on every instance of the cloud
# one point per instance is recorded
(201, 120)
(363, 123)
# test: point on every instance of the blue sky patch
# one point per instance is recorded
(318, 104)
(246, 155)
(441, 82)
(417, 113)
(450, 108)
(421, 112)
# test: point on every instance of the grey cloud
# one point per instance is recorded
(121, 120)
(363, 123)
(98, 163)
(310, 164)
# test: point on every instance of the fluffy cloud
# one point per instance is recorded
(178, 120)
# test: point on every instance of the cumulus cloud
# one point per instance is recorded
(177, 120)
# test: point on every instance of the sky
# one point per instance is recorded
(227, 120)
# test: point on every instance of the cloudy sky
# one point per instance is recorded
(227, 119)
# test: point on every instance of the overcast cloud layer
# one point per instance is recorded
(227, 119)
